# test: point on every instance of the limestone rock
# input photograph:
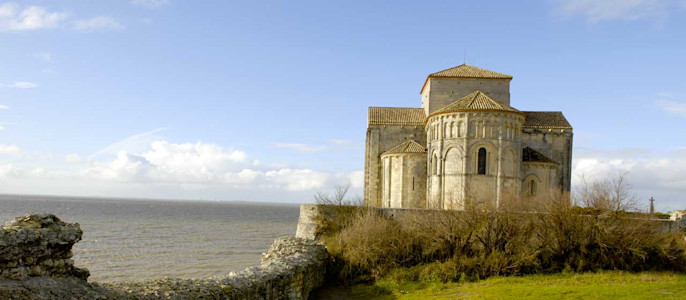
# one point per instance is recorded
(39, 245)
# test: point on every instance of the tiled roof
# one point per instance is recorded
(545, 119)
(467, 71)
(531, 155)
(407, 147)
(475, 101)
(396, 116)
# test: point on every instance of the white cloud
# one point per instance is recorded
(659, 174)
(297, 180)
(166, 169)
(19, 85)
(13, 18)
(340, 142)
(4, 107)
(150, 3)
(9, 149)
(300, 147)
(305, 148)
(609, 10)
(2, 124)
(73, 158)
(674, 107)
(136, 143)
(100, 23)
(126, 167)
(356, 179)
(199, 165)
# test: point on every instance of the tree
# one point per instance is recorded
(339, 197)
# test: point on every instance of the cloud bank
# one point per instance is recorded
(19, 85)
(191, 169)
(15, 18)
(651, 173)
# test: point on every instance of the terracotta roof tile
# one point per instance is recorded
(396, 116)
(546, 119)
(406, 147)
(475, 101)
(467, 71)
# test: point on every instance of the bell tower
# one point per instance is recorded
(447, 86)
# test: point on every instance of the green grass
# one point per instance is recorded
(601, 285)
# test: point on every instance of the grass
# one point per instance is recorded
(601, 285)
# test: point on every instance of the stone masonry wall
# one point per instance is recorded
(290, 269)
(39, 245)
(381, 138)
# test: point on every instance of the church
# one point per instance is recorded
(466, 143)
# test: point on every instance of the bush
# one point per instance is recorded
(540, 236)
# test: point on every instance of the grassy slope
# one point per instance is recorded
(602, 285)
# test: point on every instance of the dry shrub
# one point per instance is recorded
(602, 235)
(371, 245)
(519, 236)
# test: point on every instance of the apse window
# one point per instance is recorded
(481, 165)
(532, 187)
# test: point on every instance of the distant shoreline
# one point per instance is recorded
(34, 197)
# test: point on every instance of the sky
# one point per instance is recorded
(267, 100)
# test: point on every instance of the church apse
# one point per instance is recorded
(472, 145)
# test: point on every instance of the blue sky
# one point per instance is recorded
(266, 101)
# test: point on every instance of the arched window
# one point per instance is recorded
(481, 166)
(532, 187)
(434, 165)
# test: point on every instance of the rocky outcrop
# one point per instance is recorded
(35, 252)
(39, 245)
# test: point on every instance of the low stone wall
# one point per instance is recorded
(39, 245)
(290, 269)
(35, 263)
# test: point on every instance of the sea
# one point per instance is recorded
(132, 239)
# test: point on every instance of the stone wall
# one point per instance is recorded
(438, 92)
(35, 263)
(381, 138)
(39, 245)
(290, 269)
(555, 144)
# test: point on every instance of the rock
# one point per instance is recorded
(34, 241)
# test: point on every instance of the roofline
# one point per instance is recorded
(396, 123)
(394, 107)
(473, 110)
(431, 76)
(541, 162)
(403, 153)
(547, 127)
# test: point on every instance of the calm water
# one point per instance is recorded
(139, 239)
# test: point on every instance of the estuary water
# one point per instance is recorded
(127, 239)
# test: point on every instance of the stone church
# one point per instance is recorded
(466, 143)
